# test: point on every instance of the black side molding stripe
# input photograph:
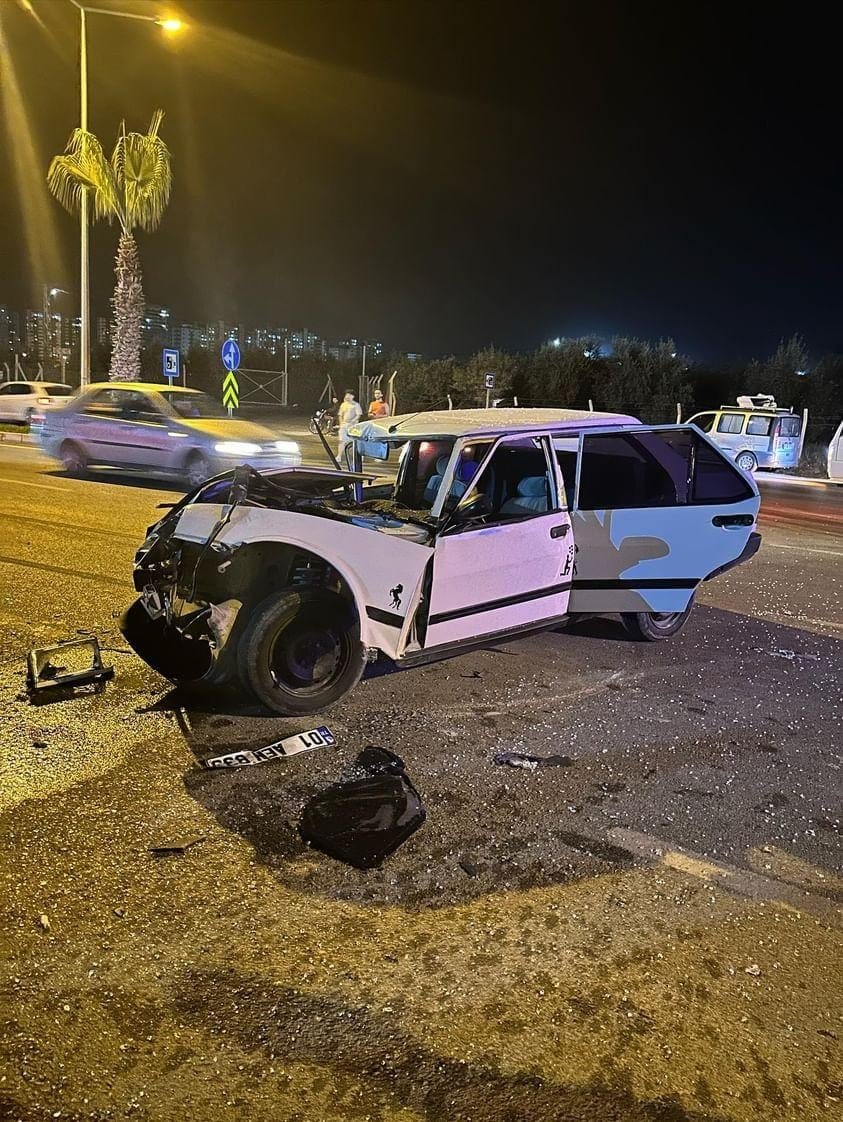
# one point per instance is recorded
(669, 582)
(380, 616)
(505, 602)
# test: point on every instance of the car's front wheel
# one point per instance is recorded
(301, 651)
(652, 626)
(73, 458)
(196, 470)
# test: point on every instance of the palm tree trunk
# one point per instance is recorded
(129, 306)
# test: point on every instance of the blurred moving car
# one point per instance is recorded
(158, 430)
(21, 401)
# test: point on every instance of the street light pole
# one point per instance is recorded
(84, 209)
(84, 291)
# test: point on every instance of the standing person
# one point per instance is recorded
(378, 407)
(349, 414)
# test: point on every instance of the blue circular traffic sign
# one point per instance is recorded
(230, 355)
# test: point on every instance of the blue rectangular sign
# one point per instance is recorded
(172, 363)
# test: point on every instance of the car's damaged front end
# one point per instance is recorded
(217, 556)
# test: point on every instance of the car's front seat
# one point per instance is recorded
(435, 482)
(531, 497)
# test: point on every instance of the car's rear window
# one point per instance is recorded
(59, 391)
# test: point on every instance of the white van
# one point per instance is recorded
(755, 432)
(835, 456)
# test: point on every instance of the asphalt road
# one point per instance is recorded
(648, 930)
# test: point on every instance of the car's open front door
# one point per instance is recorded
(656, 511)
(509, 568)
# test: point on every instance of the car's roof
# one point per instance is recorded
(144, 387)
(476, 422)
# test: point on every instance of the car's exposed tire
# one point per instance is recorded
(652, 626)
(301, 651)
(73, 458)
(196, 469)
(746, 461)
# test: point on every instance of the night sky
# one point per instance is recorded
(447, 175)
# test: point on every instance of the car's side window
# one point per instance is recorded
(759, 426)
(655, 468)
(517, 480)
(102, 404)
(704, 421)
(730, 422)
(17, 388)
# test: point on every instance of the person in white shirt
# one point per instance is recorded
(349, 414)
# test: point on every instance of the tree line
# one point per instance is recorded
(627, 375)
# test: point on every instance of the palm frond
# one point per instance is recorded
(140, 164)
(83, 167)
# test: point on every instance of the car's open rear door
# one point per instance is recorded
(656, 511)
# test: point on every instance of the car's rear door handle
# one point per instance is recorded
(732, 521)
(559, 531)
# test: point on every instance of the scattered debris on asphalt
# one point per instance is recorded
(175, 849)
(44, 668)
(754, 970)
(530, 763)
(44, 922)
(363, 819)
(792, 656)
(278, 750)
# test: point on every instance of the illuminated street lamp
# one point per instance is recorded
(169, 25)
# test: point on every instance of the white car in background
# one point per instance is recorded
(21, 401)
(835, 456)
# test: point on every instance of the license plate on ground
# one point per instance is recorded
(321, 737)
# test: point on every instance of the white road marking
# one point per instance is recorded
(43, 486)
(807, 549)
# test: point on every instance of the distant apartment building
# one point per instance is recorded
(103, 332)
(201, 336)
(348, 350)
(9, 329)
(157, 329)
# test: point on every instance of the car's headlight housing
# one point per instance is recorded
(237, 448)
(286, 446)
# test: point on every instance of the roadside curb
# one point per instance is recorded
(16, 438)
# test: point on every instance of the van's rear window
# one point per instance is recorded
(789, 426)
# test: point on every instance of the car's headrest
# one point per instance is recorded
(533, 487)
(442, 464)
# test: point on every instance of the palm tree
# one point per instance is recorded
(133, 187)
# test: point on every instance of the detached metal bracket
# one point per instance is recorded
(44, 667)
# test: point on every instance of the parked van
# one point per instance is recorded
(756, 433)
(835, 456)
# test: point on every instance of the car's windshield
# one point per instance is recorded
(422, 467)
(193, 404)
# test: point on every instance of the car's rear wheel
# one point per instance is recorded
(746, 461)
(301, 651)
(652, 626)
(196, 469)
(73, 458)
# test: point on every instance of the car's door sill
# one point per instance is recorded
(447, 650)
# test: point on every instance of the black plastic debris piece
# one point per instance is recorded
(45, 665)
(175, 654)
(365, 818)
(530, 763)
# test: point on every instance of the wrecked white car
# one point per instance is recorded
(500, 522)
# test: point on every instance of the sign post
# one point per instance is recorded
(230, 353)
(490, 385)
(171, 363)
